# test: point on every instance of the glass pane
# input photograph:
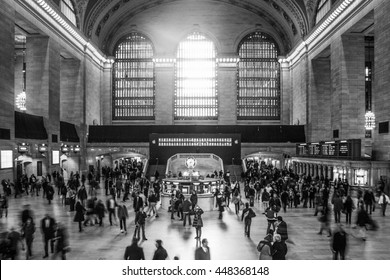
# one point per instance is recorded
(133, 79)
(196, 94)
(67, 10)
(258, 93)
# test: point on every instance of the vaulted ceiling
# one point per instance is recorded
(103, 21)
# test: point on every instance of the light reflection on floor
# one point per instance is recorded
(226, 236)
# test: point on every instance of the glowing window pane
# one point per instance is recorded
(196, 94)
(133, 79)
(258, 86)
(67, 9)
(322, 9)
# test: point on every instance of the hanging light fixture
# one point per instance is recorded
(369, 120)
(369, 117)
(21, 97)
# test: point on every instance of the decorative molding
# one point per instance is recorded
(298, 15)
(53, 17)
(102, 4)
(335, 16)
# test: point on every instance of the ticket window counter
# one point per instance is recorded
(361, 177)
(204, 189)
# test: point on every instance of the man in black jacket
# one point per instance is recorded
(160, 253)
(138, 202)
(48, 231)
(281, 228)
(203, 252)
(134, 252)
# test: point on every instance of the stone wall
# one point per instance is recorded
(299, 92)
(319, 124)
(381, 88)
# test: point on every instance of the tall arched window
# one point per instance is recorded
(258, 93)
(196, 93)
(322, 9)
(133, 79)
(67, 9)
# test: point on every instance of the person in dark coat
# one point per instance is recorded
(100, 211)
(194, 199)
(279, 248)
(248, 214)
(281, 228)
(203, 252)
(339, 243)
(160, 253)
(82, 195)
(123, 214)
(134, 252)
(348, 208)
(362, 221)
(49, 193)
(28, 230)
(79, 216)
(138, 203)
(27, 214)
(62, 243)
(48, 231)
(14, 238)
(198, 222)
(337, 207)
(140, 218)
(284, 198)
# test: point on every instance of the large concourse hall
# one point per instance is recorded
(288, 96)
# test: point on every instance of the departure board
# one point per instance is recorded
(349, 149)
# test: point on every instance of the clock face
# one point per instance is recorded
(190, 162)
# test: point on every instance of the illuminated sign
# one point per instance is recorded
(6, 160)
(23, 148)
(42, 148)
(55, 157)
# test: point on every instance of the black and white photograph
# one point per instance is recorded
(221, 130)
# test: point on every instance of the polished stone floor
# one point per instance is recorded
(226, 236)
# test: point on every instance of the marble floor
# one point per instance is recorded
(226, 236)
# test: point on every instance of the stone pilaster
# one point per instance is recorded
(165, 88)
(285, 92)
(7, 92)
(348, 91)
(319, 127)
(227, 94)
(381, 88)
(71, 91)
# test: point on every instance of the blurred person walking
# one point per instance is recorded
(134, 252)
(247, 214)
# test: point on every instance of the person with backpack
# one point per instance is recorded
(265, 245)
(248, 214)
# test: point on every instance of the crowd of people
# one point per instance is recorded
(275, 190)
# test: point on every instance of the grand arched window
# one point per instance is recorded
(67, 9)
(322, 9)
(133, 79)
(196, 93)
(258, 86)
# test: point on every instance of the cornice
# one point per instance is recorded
(52, 17)
(334, 19)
